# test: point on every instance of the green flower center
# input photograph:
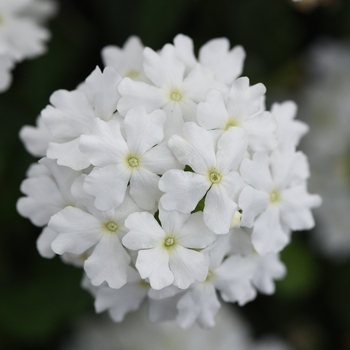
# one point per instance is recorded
(132, 74)
(209, 276)
(169, 241)
(144, 284)
(112, 226)
(274, 197)
(133, 162)
(230, 123)
(175, 95)
(215, 177)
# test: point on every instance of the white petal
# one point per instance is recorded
(268, 235)
(244, 100)
(226, 64)
(194, 233)
(253, 202)
(36, 139)
(187, 266)
(108, 185)
(195, 148)
(268, 268)
(154, 264)
(231, 149)
(260, 132)
(144, 188)
(145, 231)
(163, 70)
(138, 93)
(184, 50)
(68, 154)
(43, 201)
(159, 159)
(108, 262)
(102, 91)
(212, 113)
(219, 210)
(70, 115)
(172, 221)
(183, 190)
(105, 145)
(295, 207)
(256, 172)
(121, 301)
(78, 231)
(233, 279)
(43, 243)
(143, 130)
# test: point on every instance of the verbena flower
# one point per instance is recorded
(152, 166)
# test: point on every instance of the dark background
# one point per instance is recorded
(41, 299)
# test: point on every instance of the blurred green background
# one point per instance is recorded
(41, 299)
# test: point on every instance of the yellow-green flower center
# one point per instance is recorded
(175, 95)
(133, 162)
(215, 177)
(169, 241)
(209, 276)
(230, 123)
(144, 284)
(132, 74)
(274, 197)
(112, 226)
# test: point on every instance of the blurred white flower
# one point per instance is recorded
(137, 333)
(325, 105)
(21, 33)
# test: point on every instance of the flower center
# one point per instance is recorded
(209, 276)
(214, 177)
(112, 226)
(230, 123)
(175, 95)
(133, 162)
(169, 241)
(132, 74)
(274, 197)
(144, 284)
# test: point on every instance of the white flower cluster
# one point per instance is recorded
(21, 33)
(150, 168)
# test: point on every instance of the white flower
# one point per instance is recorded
(147, 183)
(214, 175)
(276, 200)
(36, 139)
(138, 159)
(289, 130)
(47, 192)
(226, 64)
(266, 268)
(325, 105)
(168, 254)
(121, 301)
(71, 111)
(232, 332)
(21, 35)
(127, 61)
(173, 91)
(79, 230)
(244, 108)
(232, 277)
